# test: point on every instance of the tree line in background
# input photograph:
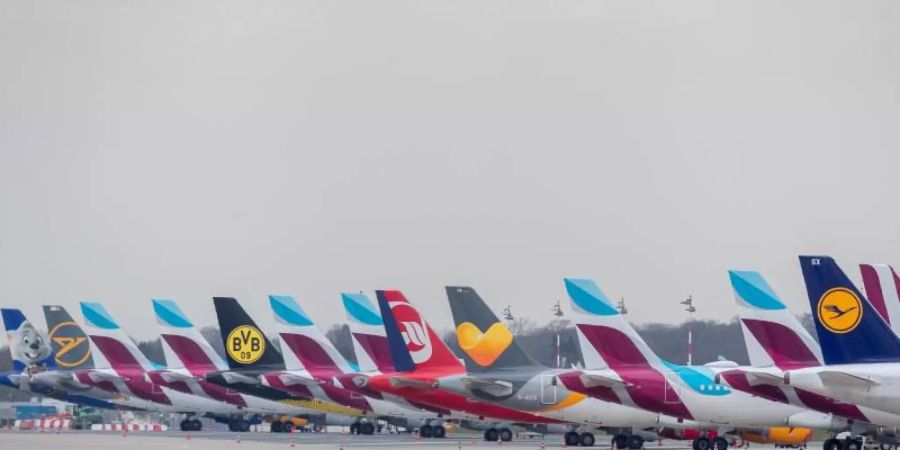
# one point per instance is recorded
(711, 340)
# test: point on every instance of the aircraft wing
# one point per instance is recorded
(497, 388)
(846, 380)
(412, 383)
(593, 379)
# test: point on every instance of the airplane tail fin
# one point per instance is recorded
(29, 347)
(606, 338)
(486, 342)
(306, 346)
(413, 343)
(183, 343)
(71, 346)
(772, 334)
(245, 344)
(367, 332)
(849, 328)
(883, 291)
(116, 346)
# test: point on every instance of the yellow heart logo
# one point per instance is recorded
(483, 348)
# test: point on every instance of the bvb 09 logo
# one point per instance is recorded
(840, 310)
(246, 344)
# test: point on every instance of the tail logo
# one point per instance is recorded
(840, 310)
(28, 346)
(246, 344)
(70, 344)
(413, 330)
(483, 347)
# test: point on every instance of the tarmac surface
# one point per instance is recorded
(178, 440)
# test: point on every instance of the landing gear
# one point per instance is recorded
(572, 439)
(620, 441)
(853, 444)
(720, 443)
(491, 435)
(275, 427)
(438, 431)
(366, 428)
(426, 431)
(832, 444)
(354, 428)
(191, 425)
(885, 446)
(287, 427)
(505, 434)
(635, 442)
(586, 439)
(701, 443)
(239, 425)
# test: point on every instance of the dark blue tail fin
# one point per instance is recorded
(850, 330)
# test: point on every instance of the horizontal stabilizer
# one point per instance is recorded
(846, 380)
(412, 383)
(232, 377)
(98, 376)
(764, 378)
(592, 380)
(497, 388)
(297, 377)
(174, 377)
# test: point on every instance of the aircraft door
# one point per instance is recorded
(548, 389)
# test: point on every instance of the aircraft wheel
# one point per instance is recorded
(185, 425)
(505, 434)
(571, 438)
(490, 434)
(586, 439)
(243, 426)
(425, 431)
(438, 431)
(885, 446)
(287, 427)
(700, 443)
(275, 427)
(354, 428)
(620, 441)
(720, 443)
(635, 442)
(196, 425)
(367, 428)
(853, 444)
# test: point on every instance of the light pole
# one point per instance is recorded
(621, 306)
(689, 307)
(557, 311)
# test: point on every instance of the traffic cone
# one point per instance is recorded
(189, 436)
(292, 442)
(237, 438)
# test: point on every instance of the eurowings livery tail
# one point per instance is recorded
(850, 329)
(117, 347)
(367, 330)
(486, 342)
(774, 337)
(883, 290)
(415, 346)
(183, 344)
(309, 349)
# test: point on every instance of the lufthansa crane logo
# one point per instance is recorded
(840, 310)
(246, 344)
(70, 345)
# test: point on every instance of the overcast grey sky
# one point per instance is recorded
(189, 149)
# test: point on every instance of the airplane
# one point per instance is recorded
(420, 361)
(33, 354)
(882, 287)
(190, 358)
(121, 367)
(373, 357)
(312, 361)
(250, 354)
(859, 349)
(620, 365)
(776, 341)
(499, 371)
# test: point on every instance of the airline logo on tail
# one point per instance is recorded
(246, 344)
(413, 330)
(483, 347)
(840, 310)
(70, 345)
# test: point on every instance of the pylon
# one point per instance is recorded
(237, 438)
(189, 436)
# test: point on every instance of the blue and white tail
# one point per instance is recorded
(373, 354)
(773, 336)
(30, 349)
(182, 342)
(111, 341)
(850, 329)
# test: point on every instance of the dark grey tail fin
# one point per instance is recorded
(71, 348)
(245, 344)
(486, 342)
